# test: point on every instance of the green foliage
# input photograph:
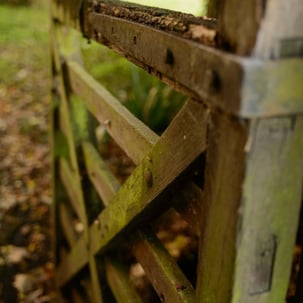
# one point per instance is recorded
(23, 42)
(17, 2)
(145, 96)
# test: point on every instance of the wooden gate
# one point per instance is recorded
(230, 164)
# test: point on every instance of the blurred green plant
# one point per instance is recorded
(23, 34)
(145, 96)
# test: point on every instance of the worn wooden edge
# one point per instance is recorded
(280, 33)
(270, 209)
(118, 279)
(165, 275)
(70, 265)
(104, 182)
(166, 59)
(95, 280)
(67, 224)
(222, 79)
(147, 181)
(73, 190)
(201, 29)
(189, 203)
(67, 12)
(134, 137)
(273, 88)
(219, 223)
(263, 29)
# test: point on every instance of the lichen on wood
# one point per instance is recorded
(201, 29)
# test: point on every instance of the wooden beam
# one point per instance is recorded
(105, 183)
(239, 23)
(166, 277)
(73, 190)
(147, 181)
(281, 30)
(124, 127)
(213, 8)
(265, 29)
(222, 79)
(67, 224)
(269, 211)
(119, 282)
(219, 221)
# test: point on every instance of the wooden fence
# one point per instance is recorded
(230, 164)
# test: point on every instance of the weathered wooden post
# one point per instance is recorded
(243, 74)
(254, 170)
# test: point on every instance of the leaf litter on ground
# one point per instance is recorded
(26, 267)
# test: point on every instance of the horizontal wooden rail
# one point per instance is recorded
(233, 83)
(134, 137)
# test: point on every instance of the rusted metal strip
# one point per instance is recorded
(201, 29)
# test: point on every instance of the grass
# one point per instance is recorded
(24, 62)
(23, 42)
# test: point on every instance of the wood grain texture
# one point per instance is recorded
(67, 224)
(166, 277)
(186, 130)
(163, 19)
(119, 282)
(173, 59)
(70, 172)
(104, 182)
(262, 28)
(272, 192)
(282, 24)
(214, 8)
(224, 173)
(238, 25)
(130, 133)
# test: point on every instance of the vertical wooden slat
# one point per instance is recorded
(269, 210)
(69, 47)
(223, 178)
(239, 23)
(67, 224)
(264, 28)
(213, 8)
(281, 31)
